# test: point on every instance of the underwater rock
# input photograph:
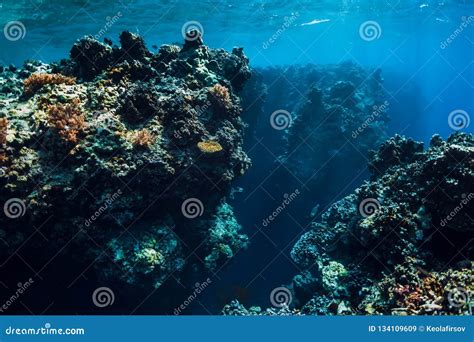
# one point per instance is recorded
(88, 58)
(321, 119)
(341, 116)
(109, 160)
(416, 201)
(401, 243)
(237, 309)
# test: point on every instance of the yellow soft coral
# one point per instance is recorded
(34, 83)
(209, 146)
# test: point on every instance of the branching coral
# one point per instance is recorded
(209, 146)
(3, 131)
(68, 119)
(143, 138)
(221, 95)
(36, 81)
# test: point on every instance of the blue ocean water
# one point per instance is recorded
(431, 74)
(424, 49)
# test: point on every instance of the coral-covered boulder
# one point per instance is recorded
(125, 157)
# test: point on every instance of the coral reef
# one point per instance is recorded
(132, 128)
(143, 138)
(236, 309)
(338, 120)
(3, 139)
(209, 146)
(319, 120)
(67, 119)
(3, 131)
(36, 81)
(401, 244)
(221, 95)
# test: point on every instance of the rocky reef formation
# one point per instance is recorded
(329, 115)
(123, 158)
(315, 122)
(401, 244)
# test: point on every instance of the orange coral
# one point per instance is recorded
(68, 119)
(3, 131)
(34, 83)
(209, 146)
(143, 138)
(220, 94)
